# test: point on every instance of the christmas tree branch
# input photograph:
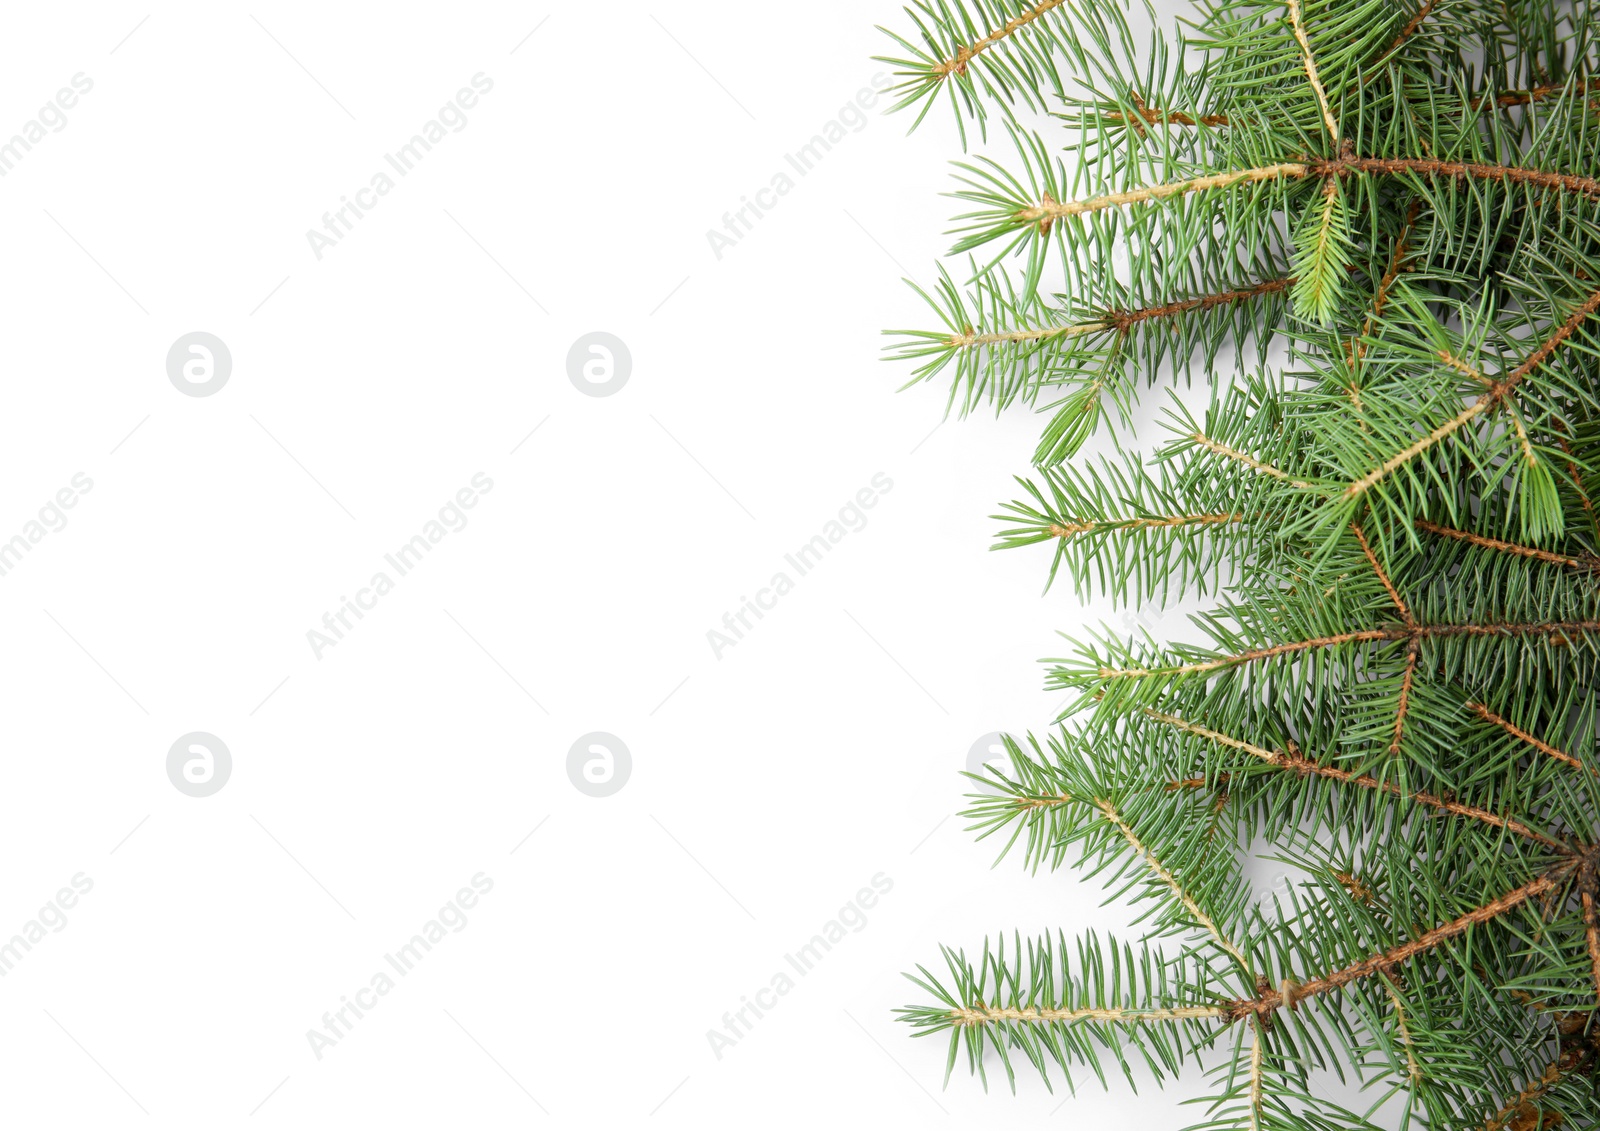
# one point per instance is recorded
(1290, 994)
(957, 63)
(1069, 530)
(1150, 116)
(973, 340)
(1588, 562)
(1533, 94)
(1394, 594)
(1166, 877)
(1405, 33)
(1578, 487)
(1125, 319)
(1563, 630)
(1438, 168)
(1311, 71)
(1497, 392)
(1048, 209)
(1591, 924)
(1413, 1069)
(1397, 258)
(1400, 459)
(1297, 763)
(1258, 1048)
(988, 1014)
(1510, 728)
(1249, 657)
(1405, 699)
(1221, 449)
(1122, 320)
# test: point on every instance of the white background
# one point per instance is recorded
(768, 786)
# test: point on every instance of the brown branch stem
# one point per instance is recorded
(1562, 633)
(1296, 762)
(1587, 562)
(957, 63)
(1269, 1000)
(1121, 319)
(1394, 594)
(1515, 731)
(1497, 392)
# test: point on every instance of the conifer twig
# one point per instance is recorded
(1405, 33)
(1068, 530)
(1166, 877)
(1251, 656)
(1515, 731)
(1561, 633)
(1397, 258)
(1221, 449)
(983, 1015)
(1311, 71)
(1149, 116)
(1591, 925)
(1048, 209)
(1394, 594)
(1496, 393)
(957, 63)
(1300, 764)
(1504, 547)
(1270, 1000)
(1413, 1069)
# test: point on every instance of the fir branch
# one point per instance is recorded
(1251, 656)
(957, 63)
(1405, 699)
(1311, 71)
(1437, 168)
(1533, 94)
(1269, 1001)
(1591, 925)
(972, 339)
(1297, 763)
(1517, 732)
(1044, 210)
(1400, 40)
(1562, 632)
(1322, 260)
(1497, 392)
(1380, 298)
(1145, 115)
(1413, 1069)
(1120, 320)
(1258, 1047)
(1072, 529)
(1218, 448)
(1576, 478)
(1125, 320)
(1047, 210)
(1588, 562)
(1388, 585)
(988, 1014)
(1166, 877)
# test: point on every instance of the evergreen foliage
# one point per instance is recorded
(1373, 228)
